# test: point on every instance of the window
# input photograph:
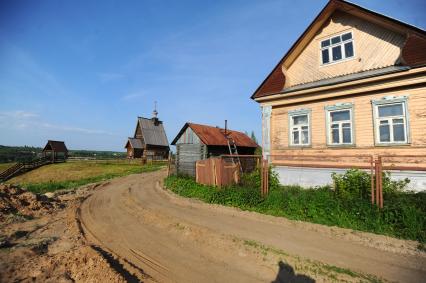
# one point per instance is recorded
(340, 125)
(299, 127)
(337, 48)
(390, 121)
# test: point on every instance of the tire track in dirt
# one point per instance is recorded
(174, 239)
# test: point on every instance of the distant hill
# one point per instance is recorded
(26, 153)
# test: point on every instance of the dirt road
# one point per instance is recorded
(175, 239)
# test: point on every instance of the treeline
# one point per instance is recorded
(27, 153)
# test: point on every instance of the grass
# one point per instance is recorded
(307, 265)
(4, 166)
(403, 215)
(70, 175)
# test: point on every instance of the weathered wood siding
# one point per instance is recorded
(187, 155)
(363, 125)
(375, 47)
(188, 137)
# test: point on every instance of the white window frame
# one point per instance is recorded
(341, 44)
(340, 108)
(376, 120)
(295, 113)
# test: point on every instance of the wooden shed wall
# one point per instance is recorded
(187, 155)
(375, 47)
(363, 125)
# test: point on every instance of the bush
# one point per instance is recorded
(355, 183)
(253, 179)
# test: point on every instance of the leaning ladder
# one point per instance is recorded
(232, 146)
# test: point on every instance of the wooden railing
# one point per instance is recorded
(22, 167)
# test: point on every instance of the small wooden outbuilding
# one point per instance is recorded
(56, 150)
(197, 142)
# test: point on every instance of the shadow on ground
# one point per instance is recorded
(286, 274)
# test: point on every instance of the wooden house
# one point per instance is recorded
(196, 142)
(149, 141)
(56, 150)
(353, 83)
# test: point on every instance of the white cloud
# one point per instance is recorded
(108, 77)
(133, 95)
(24, 120)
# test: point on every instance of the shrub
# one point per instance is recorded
(253, 179)
(355, 183)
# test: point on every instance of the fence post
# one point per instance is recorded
(380, 182)
(169, 164)
(372, 178)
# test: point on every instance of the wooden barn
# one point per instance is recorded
(149, 141)
(196, 142)
(56, 150)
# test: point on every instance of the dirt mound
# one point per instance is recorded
(17, 201)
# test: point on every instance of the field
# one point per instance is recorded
(74, 174)
(4, 166)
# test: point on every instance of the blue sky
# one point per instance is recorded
(82, 71)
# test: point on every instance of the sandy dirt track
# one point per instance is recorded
(180, 240)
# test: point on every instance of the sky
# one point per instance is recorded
(83, 71)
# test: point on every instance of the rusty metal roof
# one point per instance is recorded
(135, 143)
(153, 132)
(215, 136)
(58, 146)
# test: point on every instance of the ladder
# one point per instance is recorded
(232, 146)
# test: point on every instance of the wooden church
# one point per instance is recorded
(149, 141)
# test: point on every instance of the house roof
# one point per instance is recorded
(134, 143)
(215, 136)
(58, 146)
(412, 54)
(153, 131)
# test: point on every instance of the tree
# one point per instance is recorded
(253, 137)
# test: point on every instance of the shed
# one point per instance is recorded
(56, 150)
(150, 139)
(196, 142)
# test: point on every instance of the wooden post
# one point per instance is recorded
(380, 182)
(169, 164)
(372, 178)
(261, 176)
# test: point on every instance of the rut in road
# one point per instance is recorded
(175, 239)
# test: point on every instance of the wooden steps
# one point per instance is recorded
(23, 167)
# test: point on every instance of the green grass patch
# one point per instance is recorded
(50, 186)
(403, 215)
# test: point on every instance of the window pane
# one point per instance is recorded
(325, 56)
(384, 133)
(300, 120)
(346, 135)
(337, 53)
(398, 133)
(398, 121)
(349, 49)
(335, 136)
(340, 116)
(390, 110)
(335, 40)
(305, 137)
(346, 125)
(335, 126)
(346, 36)
(325, 43)
(295, 137)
